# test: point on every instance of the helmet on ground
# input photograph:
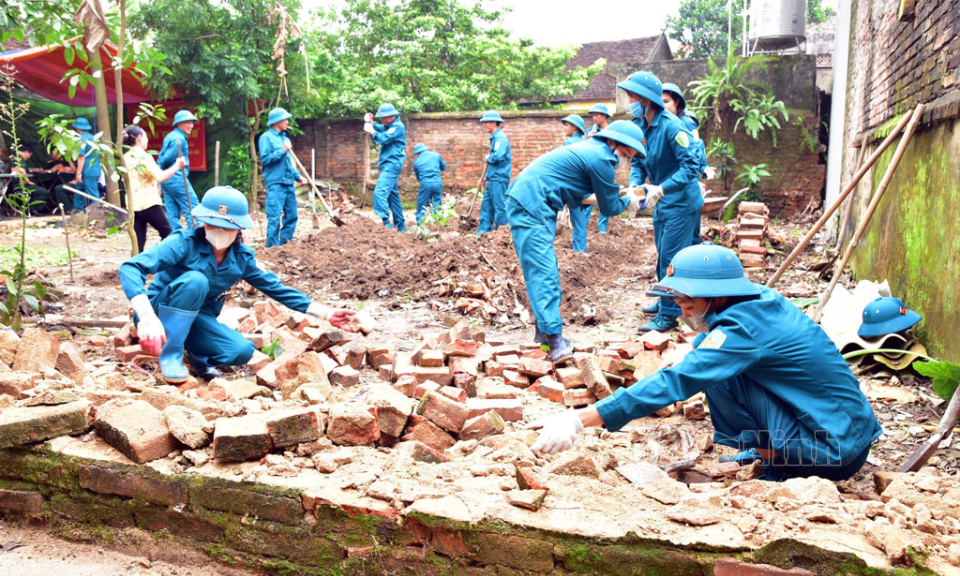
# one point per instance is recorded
(183, 116)
(600, 109)
(705, 271)
(885, 316)
(644, 84)
(278, 115)
(224, 207)
(491, 116)
(626, 133)
(387, 109)
(575, 121)
(677, 94)
(420, 147)
(81, 124)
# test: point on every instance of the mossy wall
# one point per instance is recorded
(913, 239)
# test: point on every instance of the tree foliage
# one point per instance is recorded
(701, 25)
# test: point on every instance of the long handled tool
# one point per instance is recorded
(949, 420)
(838, 202)
(94, 198)
(186, 187)
(878, 195)
(296, 161)
(479, 190)
(314, 222)
(66, 236)
(366, 170)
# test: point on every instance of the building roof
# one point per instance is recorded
(603, 86)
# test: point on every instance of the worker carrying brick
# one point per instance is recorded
(672, 167)
(497, 174)
(428, 165)
(391, 135)
(176, 189)
(579, 215)
(781, 395)
(195, 269)
(564, 176)
(600, 114)
(280, 176)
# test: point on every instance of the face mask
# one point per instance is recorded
(698, 322)
(220, 238)
(638, 110)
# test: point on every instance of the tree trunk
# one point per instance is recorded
(103, 122)
(118, 145)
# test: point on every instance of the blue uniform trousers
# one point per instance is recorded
(208, 338)
(175, 202)
(281, 209)
(746, 416)
(430, 193)
(602, 223)
(579, 220)
(493, 213)
(671, 234)
(92, 187)
(533, 240)
(386, 199)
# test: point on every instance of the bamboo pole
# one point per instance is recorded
(216, 164)
(887, 176)
(66, 236)
(848, 209)
(104, 202)
(836, 203)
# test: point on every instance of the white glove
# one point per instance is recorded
(654, 193)
(635, 201)
(368, 127)
(673, 356)
(368, 117)
(320, 311)
(149, 329)
(559, 433)
(710, 172)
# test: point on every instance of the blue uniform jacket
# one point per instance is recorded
(168, 157)
(567, 175)
(278, 167)
(498, 161)
(671, 163)
(183, 251)
(691, 126)
(91, 156)
(393, 144)
(593, 131)
(428, 167)
(573, 139)
(775, 346)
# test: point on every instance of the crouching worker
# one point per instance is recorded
(177, 314)
(777, 387)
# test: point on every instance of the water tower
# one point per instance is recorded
(776, 25)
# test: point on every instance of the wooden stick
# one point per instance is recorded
(949, 420)
(848, 209)
(313, 176)
(104, 202)
(216, 164)
(66, 235)
(366, 168)
(78, 322)
(186, 187)
(336, 219)
(477, 195)
(836, 203)
(887, 176)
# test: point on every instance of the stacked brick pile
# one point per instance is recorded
(751, 229)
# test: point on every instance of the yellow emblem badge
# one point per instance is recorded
(714, 339)
(683, 139)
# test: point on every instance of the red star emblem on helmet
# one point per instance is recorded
(223, 209)
(670, 270)
(903, 310)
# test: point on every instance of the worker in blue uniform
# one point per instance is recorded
(174, 194)
(194, 269)
(493, 213)
(88, 166)
(428, 165)
(564, 176)
(600, 114)
(280, 176)
(784, 396)
(673, 101)
(574, 130)
(391, 135)
(672, 168)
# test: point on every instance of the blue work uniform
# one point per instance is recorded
(428, 166)
(393, 152)
(564, 176)
(91, 172)
(280, 177)
(174, 194)
(690, 125)
(493, 213)
(579, 215)
(671, 163)
(603, 221)
(188, 279)
(773, 380)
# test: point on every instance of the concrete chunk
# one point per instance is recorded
(136, 429)
(239, 439)
(20, 426)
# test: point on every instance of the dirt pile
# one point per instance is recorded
(364, 260)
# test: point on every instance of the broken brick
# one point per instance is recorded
(38, 349)
(595, 380)
(393, 408)
(352, 425)
(694, 410)
(509, 410)
(528, 480)
(516, 379)
(292, 372)
(294, 426)
(454, 393)
(506, 350)
(466, 382)
(421, 452)
(69, 361)
(344, 376)
(752, 261)
(257, 361)
(124, 336)
(493, 368)
(422, 430)
(481, 426)
(511, 361)
(19, 426)
(527, 499)
(646, 363)
(431, 358)
(428, 386)
(535, 368)
(242, 438)
(654, 340)
(442, 411)
(188, 426)
(578, 397)
(355, 355)
(630, 349)
(386, 373)
(328, 339)
(375, 351)
(406, 384)
(9, 342)
(17, 382)
(136, 429)
(570, 377)
(461, 348)
(574, 464)
(465, 364)
(550, 389)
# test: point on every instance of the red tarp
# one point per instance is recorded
(197, 141)
(40, 69)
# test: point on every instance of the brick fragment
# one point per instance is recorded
(242, 438)
(188, 426)
(142, 484)
(574, 464)
(550, 389)
(595, 380)
(509, 410)
(352, 424)
(327, 339)
(9, 342)
(527, 499)
(481, 426)
(506, 350)
(380, 358)
(422, 430)
(422, 389)
(528, 480)
(454, 393)
(630, 349)
(646, 364)
(24, 502)
(136, 429)
(38, 349)
(694, 410)
(294, 426)
(291, 372)
(466, 382)
(516, 379)
(442, 411)
(393, 408)
(654, 340)
(752, 261)
(493, 368)
(421, 452)
(461, 348)
(465, 364)
(258, 360)
(511, 361)
(344, 376)
(570, 377)
(406, 384)
(733, 567)
(578, 397)
(431, 358)
(69, 361)
(15, 383)
(386, 373)
(124, 336)
(19, 426)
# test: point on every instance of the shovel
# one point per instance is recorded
(949, 420)
(296, 161)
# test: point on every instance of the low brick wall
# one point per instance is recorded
(282, 529)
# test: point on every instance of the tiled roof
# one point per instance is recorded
(604, 86)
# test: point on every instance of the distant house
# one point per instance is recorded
(603, 87)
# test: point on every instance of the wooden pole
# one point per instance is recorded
(104, 202)
(216, 164)
(313, 176)
(887, 176)
(366, 166)
(836, 203)
(186, 187)
(66, 236)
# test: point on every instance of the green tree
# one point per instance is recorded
(701, 25)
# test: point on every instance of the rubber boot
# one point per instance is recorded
(652, 310)
(561, 351)
(539, 337)
(177, 325)
(660, 323)
(201, 368)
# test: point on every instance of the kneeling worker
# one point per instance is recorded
(428, 165)
(177, 314)
(777, 387)
(565, 175)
